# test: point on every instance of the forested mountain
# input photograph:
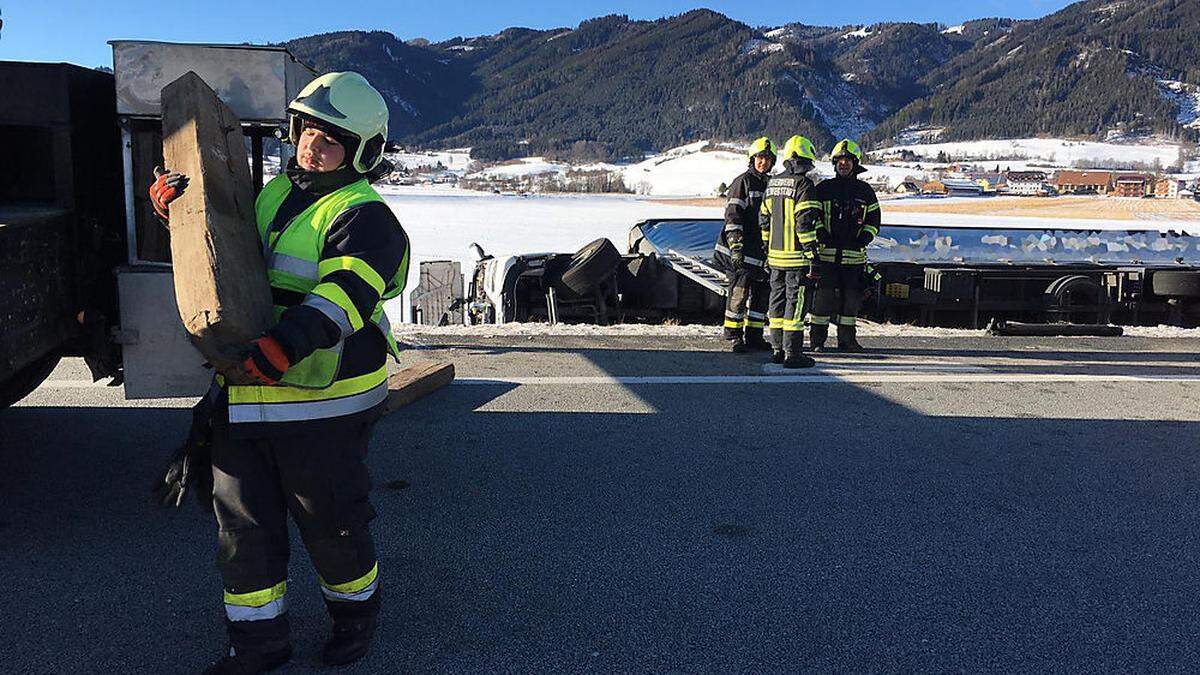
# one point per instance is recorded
(1090, 69)
(613, 87)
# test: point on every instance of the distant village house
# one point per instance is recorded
(1131, 185)
(1083, 182)
(1029, 183)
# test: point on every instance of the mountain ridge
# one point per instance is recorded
(613, 87)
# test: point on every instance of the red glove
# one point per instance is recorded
(166, 188)
(266, 361)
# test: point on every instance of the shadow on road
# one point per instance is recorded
(817, 526)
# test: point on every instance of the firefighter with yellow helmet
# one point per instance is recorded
(850, 219)
(289, 433)
(788, 217)
(740, 251)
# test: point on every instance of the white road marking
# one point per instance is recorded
(832, 367)
(75, 384)
(816, 377)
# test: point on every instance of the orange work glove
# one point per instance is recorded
(266, 361)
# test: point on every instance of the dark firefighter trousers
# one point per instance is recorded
(320, 478)
(746, 299)
(839, 294)
(789, 304)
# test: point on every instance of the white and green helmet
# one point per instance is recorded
(346, 101)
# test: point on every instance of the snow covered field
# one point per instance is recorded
(443, 222)
(1056, 152)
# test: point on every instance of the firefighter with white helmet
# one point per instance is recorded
(290, 437)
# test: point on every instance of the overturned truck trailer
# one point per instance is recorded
(929, 275)
(967, 276)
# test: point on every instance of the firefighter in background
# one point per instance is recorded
(788, 216)
(849, 221)
(740, 250)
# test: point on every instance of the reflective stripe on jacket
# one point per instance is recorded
(303, 272)
(788, 216)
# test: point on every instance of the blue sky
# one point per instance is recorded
(77, 31)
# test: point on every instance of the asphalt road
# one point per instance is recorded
(650, 505)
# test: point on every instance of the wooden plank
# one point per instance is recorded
(221, 282)
(417, 381)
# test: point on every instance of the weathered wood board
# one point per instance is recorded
(221, 282)
(417, 381)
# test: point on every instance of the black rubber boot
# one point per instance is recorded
(248, 662)
(354, 626)
(793, 346)
(738, 346)
(777, 356)
(847, 337)
(819, 333)
(798, 360)
(755, 342)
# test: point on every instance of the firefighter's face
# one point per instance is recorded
(318, 151)
(844, 166)
(763, 163)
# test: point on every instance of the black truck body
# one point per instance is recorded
(61, 221)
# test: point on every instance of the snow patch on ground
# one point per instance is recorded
(1059, 152)
(860, 33)
(456, 160)
(526, 167)
(954, 30)
(865, 329)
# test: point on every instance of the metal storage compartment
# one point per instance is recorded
(257, 83)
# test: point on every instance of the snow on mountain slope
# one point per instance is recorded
(685, 171)
(1187, 97)
(527, 166)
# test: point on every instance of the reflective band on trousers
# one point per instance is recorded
(358, 590)
(295, 411)
(256, 605)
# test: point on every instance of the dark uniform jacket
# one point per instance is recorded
(741, 219)
(789, 215)
(850, 218)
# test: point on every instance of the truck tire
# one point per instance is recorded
(24, 381)
(1065, 295)
(1175, 284)
(590, 266)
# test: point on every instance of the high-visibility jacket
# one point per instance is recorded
(788, 216)
(849, 209)
(305, 271)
